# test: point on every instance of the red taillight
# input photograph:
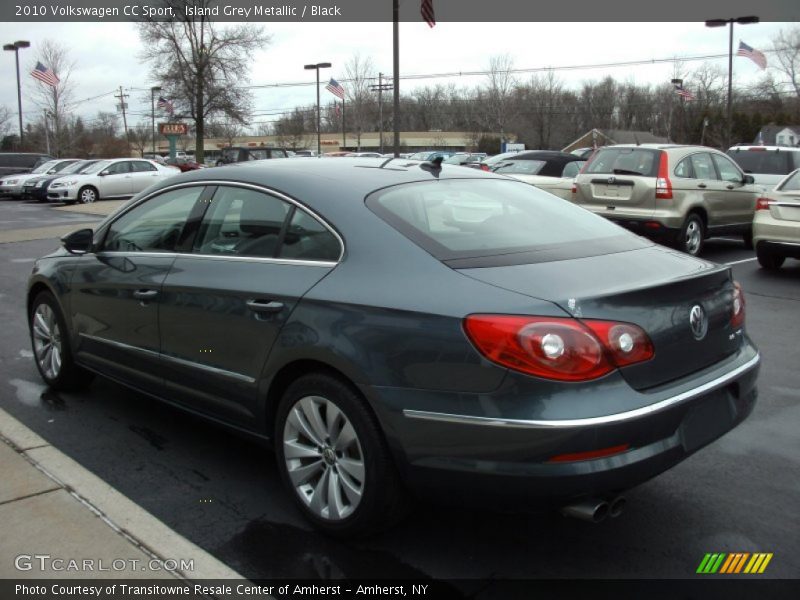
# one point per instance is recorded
(591, 454)
(663, 183)
(558, 348)
(485, 168)
(762, 204)
(574, 188)
(737, 312)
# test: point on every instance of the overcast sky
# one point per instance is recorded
(106, 56)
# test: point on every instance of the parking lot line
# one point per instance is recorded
(744, 260)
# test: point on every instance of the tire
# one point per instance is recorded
(87, 195)
(691, 236)
(747, 237)
(770, 262)
(359, 499)
(51, 349)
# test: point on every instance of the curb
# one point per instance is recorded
(122, 515)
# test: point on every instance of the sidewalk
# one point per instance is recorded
(58, 520)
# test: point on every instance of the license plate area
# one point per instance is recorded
(708, 419)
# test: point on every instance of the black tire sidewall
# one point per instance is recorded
(770, 262)
(367, 515)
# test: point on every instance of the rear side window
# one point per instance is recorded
(242, 222)
(625, 161)
(469, 218)
(308, 239)
(768, 162)
(792, 184)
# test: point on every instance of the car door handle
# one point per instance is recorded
(145, 294)
(730, 186)
(701, 185)
(264, 306)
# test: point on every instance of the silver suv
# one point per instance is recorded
(679, 195)
(767, 164)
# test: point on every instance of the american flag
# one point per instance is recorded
(45, 75)
(426, 10)
(753, 54)
(335, 88)
(165, 105)
(683, 92)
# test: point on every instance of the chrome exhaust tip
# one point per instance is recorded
(592, 510)
(616, 506)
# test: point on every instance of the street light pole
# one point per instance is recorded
(153, 90)
(317, 67)
(722, 23)
(15, 48)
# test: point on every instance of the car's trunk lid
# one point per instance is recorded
(786, 207)
(654, 288)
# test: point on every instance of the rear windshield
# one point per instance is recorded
(769, 162)
(625, 161)
(460, 219)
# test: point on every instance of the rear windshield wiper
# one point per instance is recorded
(626, 172)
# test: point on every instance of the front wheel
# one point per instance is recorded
(87, 195)
(51, 348)
(690, 238)
(334, 460)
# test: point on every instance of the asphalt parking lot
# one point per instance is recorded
(223, 492)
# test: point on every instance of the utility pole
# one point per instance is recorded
(380, 88)
(122, 107)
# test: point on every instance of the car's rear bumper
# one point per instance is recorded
(479, 457)
(777, 248)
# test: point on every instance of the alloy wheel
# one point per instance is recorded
(323, 458)
(694, 235)
(47, 341)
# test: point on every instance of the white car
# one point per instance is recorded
(115, 178)
(11, 185)
(776, 225)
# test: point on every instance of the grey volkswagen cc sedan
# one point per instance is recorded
(392, 326)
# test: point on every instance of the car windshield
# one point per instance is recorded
(468, 218)
(78, 167)
(625, 161)
(498, 158)
(97, 167)
(45, 167)
(767, 162)
(520, 167)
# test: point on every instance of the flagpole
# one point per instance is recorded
(396, 76)
(344, 130)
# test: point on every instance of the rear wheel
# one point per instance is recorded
(51, 348)
(334, 460)
(690, 238)
(770, 262)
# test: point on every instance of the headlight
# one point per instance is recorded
(10, 181)
(66, 183)
(38, 184)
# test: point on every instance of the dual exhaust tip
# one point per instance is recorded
(595, 510)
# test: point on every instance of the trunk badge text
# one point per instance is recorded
(698, 322)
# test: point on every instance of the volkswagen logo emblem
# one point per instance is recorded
(698, 322)
(612, 179)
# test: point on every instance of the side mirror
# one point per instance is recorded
(103, 173)
(78, 242)
(749, 179)
(51, 171)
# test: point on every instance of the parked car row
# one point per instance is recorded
(72, 180)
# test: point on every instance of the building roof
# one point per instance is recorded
(768, 133)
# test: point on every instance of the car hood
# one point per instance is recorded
(68, 177)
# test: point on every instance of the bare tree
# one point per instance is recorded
(500, 90)
(359, 98)
(54, 100)
(201, 64)
(140, 137)
(5, 121)
(786, 50)
(226, 128)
